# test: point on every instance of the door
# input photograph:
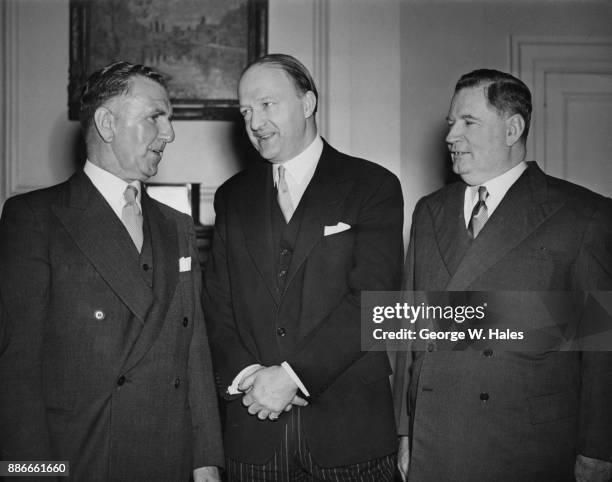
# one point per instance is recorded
(578, 129)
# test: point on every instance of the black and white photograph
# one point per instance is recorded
(306, 240)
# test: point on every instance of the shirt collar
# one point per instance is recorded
(110, 186)
(301, 168)
(496, 187)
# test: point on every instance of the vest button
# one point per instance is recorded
(177, 382)
(121, 380)
(488, 353)
(484, 396)
(284, 252)
(145, 267)
(281, 331)
(282, 273)
(185, 321)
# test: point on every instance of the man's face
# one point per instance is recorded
(477, 137)
(275, 113)
(141, 129)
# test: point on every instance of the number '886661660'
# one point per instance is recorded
(33, 468)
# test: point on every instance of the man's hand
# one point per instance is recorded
(269, 391)
(403, 457)
(587, 469)
(206, 474)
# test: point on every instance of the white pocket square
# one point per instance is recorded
(338, 228)
(184, 264)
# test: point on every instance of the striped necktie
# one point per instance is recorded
(132, 217)
(479, 214)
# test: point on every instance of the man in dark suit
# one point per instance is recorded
(297, 239)
(506, 415)
(108, 365)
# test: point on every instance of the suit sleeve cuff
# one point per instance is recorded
(245, 372)
(295, 378)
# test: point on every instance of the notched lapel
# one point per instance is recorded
(99, 234)
(449, 226)
(256, 222)
(524, 208)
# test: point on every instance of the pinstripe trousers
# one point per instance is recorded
(292, 462)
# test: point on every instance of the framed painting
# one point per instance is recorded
(200, 46)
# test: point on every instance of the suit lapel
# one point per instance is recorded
(323, 199)
(523, 209)
(449, 225)
(256, 220)
(165, 276)
(103, 239)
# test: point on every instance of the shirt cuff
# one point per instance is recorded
(245, 372)
(295, 378)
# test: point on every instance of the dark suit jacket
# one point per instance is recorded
(543, 407)
(350, 416)
(5, 328)
(102, 370)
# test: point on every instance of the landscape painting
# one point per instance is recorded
(200, 46)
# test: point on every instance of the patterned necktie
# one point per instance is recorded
(132, 217)
(479, 214)
(284, 199)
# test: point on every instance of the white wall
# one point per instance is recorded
(38, 140)
(352, 48)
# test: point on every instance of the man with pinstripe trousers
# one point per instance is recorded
(297, 239)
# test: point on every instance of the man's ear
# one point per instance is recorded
(105, 123)
(309, 101)
(515, 126)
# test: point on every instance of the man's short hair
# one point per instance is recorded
(108, 82)
(504, 92)
(296, 71)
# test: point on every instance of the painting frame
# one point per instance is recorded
(183, 108)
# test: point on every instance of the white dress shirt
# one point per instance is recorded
(110, 186)
(497, 189)
(299, 170)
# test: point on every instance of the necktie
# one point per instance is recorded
(132, 217)
(479, 214)
(284, 199)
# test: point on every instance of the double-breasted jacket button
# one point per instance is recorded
(146, 267)
(484, 396)
(99, 315)
(177, 382)
(121, 380)
(487, 353)
(280, 331)
(185, 321)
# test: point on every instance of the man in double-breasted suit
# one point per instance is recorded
(297, 240)
(507, 415)
(108, 365)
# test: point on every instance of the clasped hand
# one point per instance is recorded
(269, 391)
